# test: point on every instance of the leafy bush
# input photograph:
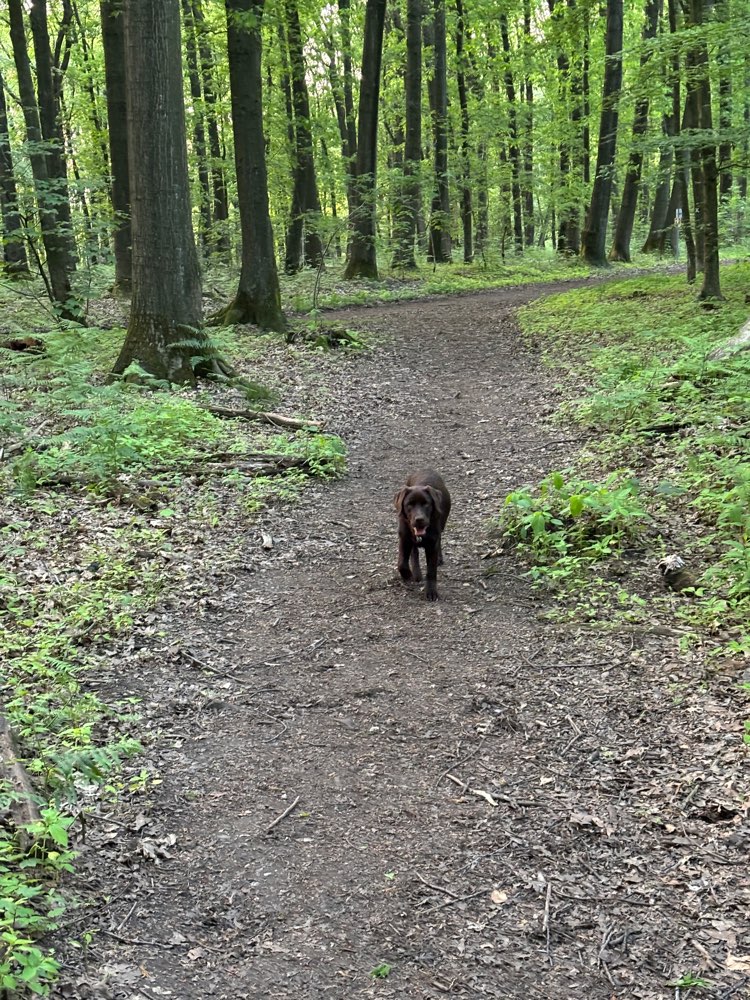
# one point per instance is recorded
(566, 518)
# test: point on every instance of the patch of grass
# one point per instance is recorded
(658, 408)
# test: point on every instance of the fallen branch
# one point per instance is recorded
(283, 815)
(277, 419)
(21, 808)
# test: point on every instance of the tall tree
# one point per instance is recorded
(708, 175)
(56, 239)
(440, 235)
(514, 152)
(220, 208)
(594, 239)
(199, 129)
(528, 130)
(723, 14)
(408, 199)
(14, 250)
(303, 240)
(466, 197)
(165, 330)
(626, 216)
(113, 39)
(258, 299)
(49, 86)
(362, 261)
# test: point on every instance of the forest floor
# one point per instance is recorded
(366, 795)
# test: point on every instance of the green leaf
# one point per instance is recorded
(576, 505)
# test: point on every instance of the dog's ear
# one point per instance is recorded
(437, 499)
(398, 500)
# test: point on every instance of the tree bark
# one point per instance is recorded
(725, 102)
(626, 216)
(49, 84)
(220, 209)
(440, 236)
(164, 333)
(363, 254)
(199, 129)
(709, 174)
(466, 195)
(528, 128)
(258, 298)
(303, 242)
(56, 241)
(409, 198)
(14, 249)
(514, 153)
(113, 40)
(594, 240)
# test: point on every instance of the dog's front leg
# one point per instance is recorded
(432, 552)
(416, 572)
(405, 547)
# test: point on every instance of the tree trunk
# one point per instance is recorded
(306, 211)
(725, 101)
(626, 216)
(220, 210)
(440, 236)
(113, 40)
(594, 240)
(49, 83)
(363, 255)
(258, 298)
(56, 242)
(466, 200)
(514, 154)
(409, 201)
(528, 127)
(199, 129)
(14, 249)
(709, 175)
(164, 333)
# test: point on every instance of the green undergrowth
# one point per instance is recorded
(110, 494)
(675, 427)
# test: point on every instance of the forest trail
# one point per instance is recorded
(489, 804)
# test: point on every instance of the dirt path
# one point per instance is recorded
(490, 805)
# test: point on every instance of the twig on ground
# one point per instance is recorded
(459, 763)
(283, 815)
(437, 888)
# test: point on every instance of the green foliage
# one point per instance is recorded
(82, 431)
(381, 971)
(325, 454)
(642, 346)
(566, 522)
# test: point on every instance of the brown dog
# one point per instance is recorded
(423, 506)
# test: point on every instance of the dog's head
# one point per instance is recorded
(421, 507)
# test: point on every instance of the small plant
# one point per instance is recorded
(690, 981)
(381, 971)
(565, 521)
